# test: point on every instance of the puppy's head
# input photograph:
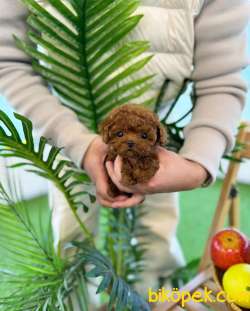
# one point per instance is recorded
(132, 130)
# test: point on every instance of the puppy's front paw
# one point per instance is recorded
(146, 169)
(128, 180)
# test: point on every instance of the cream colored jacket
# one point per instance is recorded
(197, 39)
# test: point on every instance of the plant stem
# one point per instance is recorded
(181, 118)
(121, 218)
(70, 304)
(84, 290)
(83, 58)
(82, 226)
(182, 90)
(82, 294)
(161, 95)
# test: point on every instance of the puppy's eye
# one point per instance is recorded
(144, 135)
(119, 134)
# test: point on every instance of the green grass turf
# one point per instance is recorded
(197, 208)
(196, 212)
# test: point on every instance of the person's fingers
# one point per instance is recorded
(103, 194)
(121, 198)
(146, 188)
(108, 203)
(115, 179)
(118, 167)
(111, 172)
(102, 188)
(136, 199)
(102, 202)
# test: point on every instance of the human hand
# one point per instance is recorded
(93, 164)
(175, 174)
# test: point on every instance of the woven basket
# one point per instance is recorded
(218, 274)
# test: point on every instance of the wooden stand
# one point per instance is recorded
(228, 206)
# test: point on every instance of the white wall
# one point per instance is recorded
(244, 174)
(31, 185)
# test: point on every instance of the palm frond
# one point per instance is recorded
(31, 272)
(122, 230)
(90, 70)
(122, 296)
(65, 176)
(33, 276)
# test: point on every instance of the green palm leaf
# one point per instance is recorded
(122, 231)
(91, 71)
(31, 273)
(65, 176)
(122, 297)
(33, 276)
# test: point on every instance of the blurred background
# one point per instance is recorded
(196, 206)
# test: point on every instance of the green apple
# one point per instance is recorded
(236, 284)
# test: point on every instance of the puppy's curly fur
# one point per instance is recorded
(133, 132)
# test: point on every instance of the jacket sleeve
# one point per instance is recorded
(219, 57)
(27, 92)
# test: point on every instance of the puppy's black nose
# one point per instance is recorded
(130, 143)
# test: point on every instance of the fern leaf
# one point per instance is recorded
(88, 69)
(122, 296)
(60, 174)
(30, 271)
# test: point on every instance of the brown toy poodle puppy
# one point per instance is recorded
(133, 132)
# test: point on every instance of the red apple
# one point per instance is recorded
(228, 248)
(247, 254)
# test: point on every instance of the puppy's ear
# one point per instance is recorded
(105, 125)
(161, 135)
(104, 129)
